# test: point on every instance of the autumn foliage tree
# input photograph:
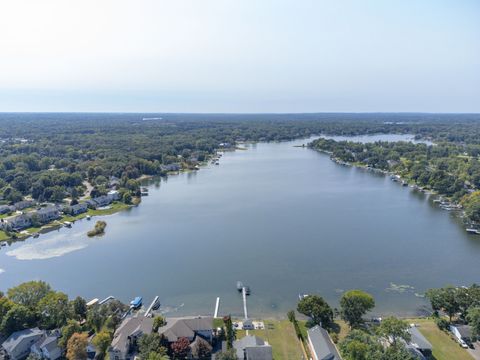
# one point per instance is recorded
(77, 346)
(180, 348)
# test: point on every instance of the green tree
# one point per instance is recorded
(354, 304)
(394, 328)
(291, 316)
(54, 310)
(444, 299)
(473, 318)
(157, 356)
(158, 322)
(68, 330)
(79, 307)
(317, 308)
(229, 331)
(19, 317)
(29, 293)
(150, 343)
(102, 341)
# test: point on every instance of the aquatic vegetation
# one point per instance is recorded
(99, 229)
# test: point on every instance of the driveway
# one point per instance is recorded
(475, 352)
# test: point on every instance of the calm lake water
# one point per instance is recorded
(284, 220)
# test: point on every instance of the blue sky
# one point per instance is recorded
(240, 55)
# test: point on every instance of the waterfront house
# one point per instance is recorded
(170, 167)
(18, 344)
(251, 348)
(91, 203)
(188, 327)
(76, 209)
(321, 345)
(463, 334)
(124, 343)
(5, 209)
(102, 200)
(23, 204)
(17, 222)
(47, 347)
(47, 214)
(418, 344)
(114, 195)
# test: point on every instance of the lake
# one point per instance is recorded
(284, 220)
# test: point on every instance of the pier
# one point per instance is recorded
(106, 299)
(154, 302)
(244, 295)
(217, 305)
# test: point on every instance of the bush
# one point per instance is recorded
(442, 324)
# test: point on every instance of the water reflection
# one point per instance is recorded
(57, 245)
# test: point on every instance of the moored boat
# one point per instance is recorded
(136, 303)
(473, 231)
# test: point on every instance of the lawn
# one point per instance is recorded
(3, 236)
(444, 347)
(281, 337)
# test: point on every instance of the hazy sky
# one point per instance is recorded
(240, 55)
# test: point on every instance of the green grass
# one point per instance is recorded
(282, 338)
(444, 347)
(3, 236)
(114, 207)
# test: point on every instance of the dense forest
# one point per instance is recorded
(450, 169)
(49, 156)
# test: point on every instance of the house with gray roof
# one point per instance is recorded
(5, 209)
(18, 344)
(23, 204)
(47, 214)
(17, 222)
(47, 348)
(321, 345)
(124, 341)
(188, 327)
(76, 209)
(419, 342)
(252, 348)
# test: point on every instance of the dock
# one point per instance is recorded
(155, 301)
(244, 295)
(106, 299)
(217, 305)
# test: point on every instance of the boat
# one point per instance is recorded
(472, 231)
(156, 304)
(136, 303)
(3, 243)
(88, 217)
(302, 296)
(239, 285)
(144, 189)
(247, 290)
(404, 183)
(36, 235)
(67, 224)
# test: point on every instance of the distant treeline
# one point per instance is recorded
(49, 155)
